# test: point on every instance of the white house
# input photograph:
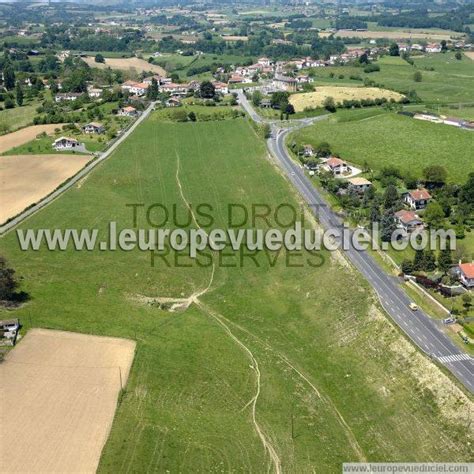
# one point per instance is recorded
(94, 92)
(337, 166)
(221, 87)
(466, 274)
(418, 198)
(135, 88)
(128, 111)
(408, 220)
(433, 48)
(265, 62)
(67, 97)
(93, 127)
(65, 143)
(359, 184)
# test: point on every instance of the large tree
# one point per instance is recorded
(207, 90)
(8, 283)
(19, 94)
(435, 175)
(8, 77)
(434, 215)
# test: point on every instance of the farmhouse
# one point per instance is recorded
(418, 199)
(433, 48)
(466, 274)
(175, 89)
(359, 184)
(94, 93)
(221, 87)
(68, 96)
(128, 111)
(93, 127)
(148, 80)
(65, 143)
(308, 151)
(337, 166)
(408, 220)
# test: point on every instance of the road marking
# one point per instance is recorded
(454, 358)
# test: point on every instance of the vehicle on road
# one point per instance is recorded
(413, 306)
(450, 320)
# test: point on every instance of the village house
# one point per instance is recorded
(466, 274)
(8, 331)
(221, 87)
(175, 89)
(65, 143)
(236, 79)
(128, 111)
(408, 220)
(67, 96)
(94, 92)
(418, 198)
(93, 127)
(173, 102)
(433, 48)
(135, 88)
(148, 80)
(265, 103)
(264, 62)
(308, 151)
(358, 184)
(337, 166)
(285, 83)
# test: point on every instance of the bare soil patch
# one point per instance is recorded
(25, 179)
(316, 98)
(25, 135)
(59, 393)
(137, 64)
(469, 54)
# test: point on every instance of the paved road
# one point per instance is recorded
(81, 174)
(417, 325)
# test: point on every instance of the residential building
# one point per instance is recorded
(173, 102)
(418, 198)
(65, 143)
(135, 88)
(221, 87)
(285, 83)
(67, 96)
(466, 274)
(358, 184)
(408, 220)
(337, 166)
(93, 127)
(128, 111)
(433, 48)
(308, 151)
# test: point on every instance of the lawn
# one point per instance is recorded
(391, 139)
(337, 382)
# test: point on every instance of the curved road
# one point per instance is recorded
(417, 325)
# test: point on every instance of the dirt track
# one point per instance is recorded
(59, 393)
(138, 64)
(25, 135)
(25, 179)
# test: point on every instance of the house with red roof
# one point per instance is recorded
(408, 220)
(466, 274)
(418, 198)
(337, 166)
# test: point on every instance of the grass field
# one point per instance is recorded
(339, 94)
(125, 64)
(390, 139)
(13, 119)
(301, 353)
(450, 81)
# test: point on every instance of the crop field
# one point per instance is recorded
(263, 366)
(64, 389)
(25, 179)
(136, 64)
(339, 94)
(390, 139)
(449, 80)
(25, 135)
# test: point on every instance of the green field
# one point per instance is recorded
(13, 119)
(450, 81)
(335, 381)
(390, 139)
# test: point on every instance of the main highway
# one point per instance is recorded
(423, 331)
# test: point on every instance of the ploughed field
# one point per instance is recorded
(268, 365)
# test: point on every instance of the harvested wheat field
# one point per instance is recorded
(316, 98)
(25, 135)
(25, 179)
(398, 34)
(60, 390)
(139, 65)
